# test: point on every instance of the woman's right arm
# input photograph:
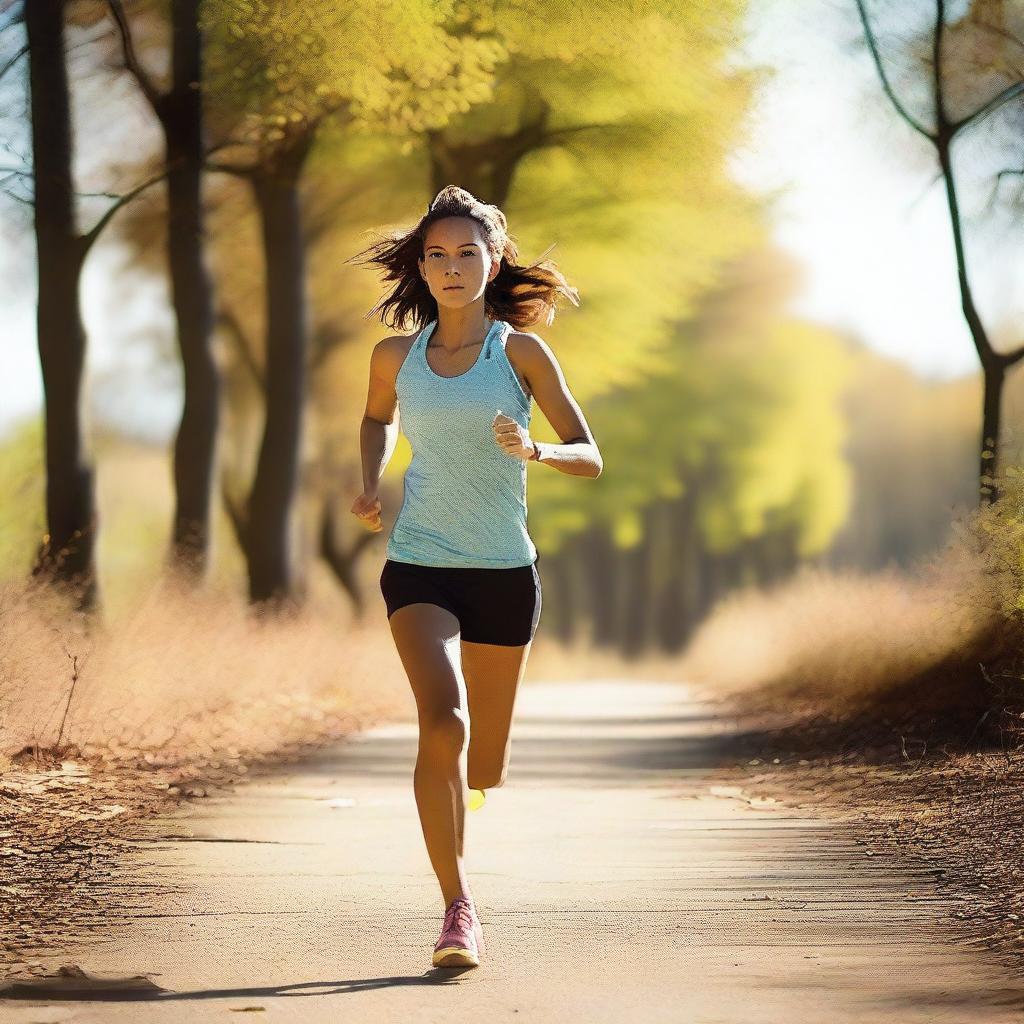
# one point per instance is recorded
(378, 431)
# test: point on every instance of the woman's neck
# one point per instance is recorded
(457, 328)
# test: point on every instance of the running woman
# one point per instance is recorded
(460, 580)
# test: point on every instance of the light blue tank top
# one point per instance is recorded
(465, 499)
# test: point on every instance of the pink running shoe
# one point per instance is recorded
(461, 943)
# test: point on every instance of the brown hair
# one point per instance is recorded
(519, 295)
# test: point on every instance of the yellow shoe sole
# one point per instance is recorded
(455, 956)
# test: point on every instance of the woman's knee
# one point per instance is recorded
(481, 779)
(444, 734)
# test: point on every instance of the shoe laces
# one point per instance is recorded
(459, 912)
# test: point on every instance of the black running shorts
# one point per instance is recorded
(493, 606)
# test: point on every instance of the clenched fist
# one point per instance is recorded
(512, 438)
(367, 507)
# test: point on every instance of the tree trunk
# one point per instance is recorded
(761, 558)
(776, 555)
(725, 573)
(67, 553)
(638, 584)
(597, 555)
(668, 605)
(560, 593)
(706, 590)
(678, 609)
(994, 373)
(195, 445)
(993, 364)
(486, 167)
(276, 187)
(343, 562)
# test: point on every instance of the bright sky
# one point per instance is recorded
(859, 211)
(862, 210)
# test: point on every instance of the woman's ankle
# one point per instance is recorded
(464, 893)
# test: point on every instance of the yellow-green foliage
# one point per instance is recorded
(780, 431)
(997, 534)
(615, 121)
(632, 112)
(746, 410)
(23, 509)
(754, 424)
(277, 65)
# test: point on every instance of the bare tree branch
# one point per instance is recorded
(78, 195)
(227, 318)
(122, 199)
(89, 238)
(554, 136)
(1009, 358)
(342, 560)
(236, 512)
(1002, 33)
(17, 198)
(131, 62)
(924, 192)
(239, 170)
(942, 121)
(1009, 93)
(17, 18)
(14, 60)
(869, 35)
(994, 194)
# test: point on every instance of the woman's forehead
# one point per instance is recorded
(454, 231)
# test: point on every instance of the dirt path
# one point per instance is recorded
(618, 879)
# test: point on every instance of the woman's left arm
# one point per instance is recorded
(578, 453)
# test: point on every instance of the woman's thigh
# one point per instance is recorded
(493, 674)
(427, 639)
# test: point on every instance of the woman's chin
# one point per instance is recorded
(455, 299)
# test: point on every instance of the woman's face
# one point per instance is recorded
(456, 263)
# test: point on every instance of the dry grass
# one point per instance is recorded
(834, 634)
(846, 639)
(182, 674)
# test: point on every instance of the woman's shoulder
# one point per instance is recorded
(525, 339)
(391, 351)
(525, 353)
(524, 348)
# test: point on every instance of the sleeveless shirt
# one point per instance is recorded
(465, 499)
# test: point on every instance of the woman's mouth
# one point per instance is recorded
(452, 287)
